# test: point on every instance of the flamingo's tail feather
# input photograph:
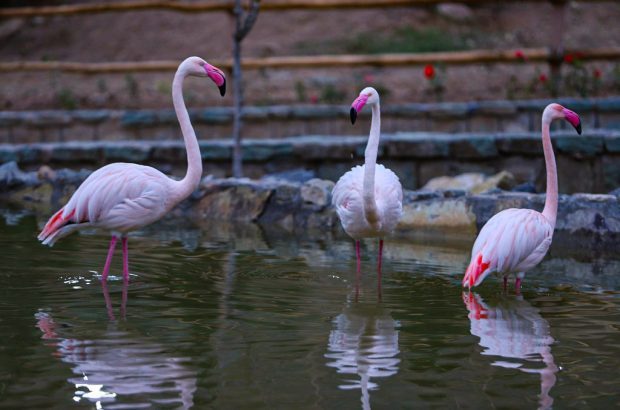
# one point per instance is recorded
(52, 230)
(475, 269)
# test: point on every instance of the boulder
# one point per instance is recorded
(317, 192)
(472, 182)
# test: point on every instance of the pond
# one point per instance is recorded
(235, 317)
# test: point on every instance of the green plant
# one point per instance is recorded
(405, 40)
(330, 94)
(163, 87)
(66, 99)
(132, 86)
(300, 91)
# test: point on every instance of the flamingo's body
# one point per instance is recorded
(123, 197)
(369, 197)
(515, 240)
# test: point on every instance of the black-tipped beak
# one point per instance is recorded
(353, 115)
(222, 88)
(578, 128)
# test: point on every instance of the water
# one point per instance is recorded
(236, 317)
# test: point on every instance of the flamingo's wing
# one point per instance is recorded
(513, 240)
(347, 198)
(389, 197)
(118, 197)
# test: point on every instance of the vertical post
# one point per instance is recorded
(557, 45)
(242, 28)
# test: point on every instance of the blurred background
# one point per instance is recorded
(102, 71)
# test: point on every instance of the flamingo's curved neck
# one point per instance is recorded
(370, 161)
(551, 202)
(194, 161)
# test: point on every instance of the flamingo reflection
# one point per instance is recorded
(364, 342)
(514, 329)
(114, 366)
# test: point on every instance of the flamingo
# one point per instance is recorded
(515, 240)
(123, 197)
(369, 197)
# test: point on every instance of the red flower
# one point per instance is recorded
(569, 58)
(429, 71)
(314, 99)
(519, 55)
(542, 78)
(597, 73)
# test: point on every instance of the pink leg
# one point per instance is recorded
(106, 297)
(518, 285)
(358, 256)
(108, 261)
(379, 275)
(125, 260)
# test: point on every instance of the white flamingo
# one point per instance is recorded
(123, 197)
(368, 198)
(516, 240)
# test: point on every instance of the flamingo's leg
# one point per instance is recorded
(125, 260)
(518, 282)
(379, 275)
(108, 261)
(358, 257)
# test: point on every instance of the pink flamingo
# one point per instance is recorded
(368, 198)
(515, 240)
(123, 197)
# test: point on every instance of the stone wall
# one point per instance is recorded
(586, 163)
(303, 207)
(286, 121)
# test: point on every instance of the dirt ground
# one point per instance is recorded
(163, 35)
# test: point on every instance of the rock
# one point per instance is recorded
(317, 192)
(11, 176)
(227, 200)
(502, 180)
(446, 214)
(455, 11)
(295, 175)
(464, 181)
(472, 182)
(46, 173)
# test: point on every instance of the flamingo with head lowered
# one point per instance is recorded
(516, 240)
(369, 197)
(123, 197)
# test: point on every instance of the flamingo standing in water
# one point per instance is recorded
(515, 240)
(123, 197)
(369, 197)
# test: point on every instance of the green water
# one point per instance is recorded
(238, 317)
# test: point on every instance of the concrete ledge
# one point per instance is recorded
(289, 120)
(588, 162)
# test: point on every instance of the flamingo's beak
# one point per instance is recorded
(357, 106)
(217, 76)
(573, 119)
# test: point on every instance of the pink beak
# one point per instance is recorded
(357, 106)
(217, 76)
(573, 118)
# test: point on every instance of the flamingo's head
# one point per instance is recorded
(555, 111)
(198, 67)
(368, 96)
